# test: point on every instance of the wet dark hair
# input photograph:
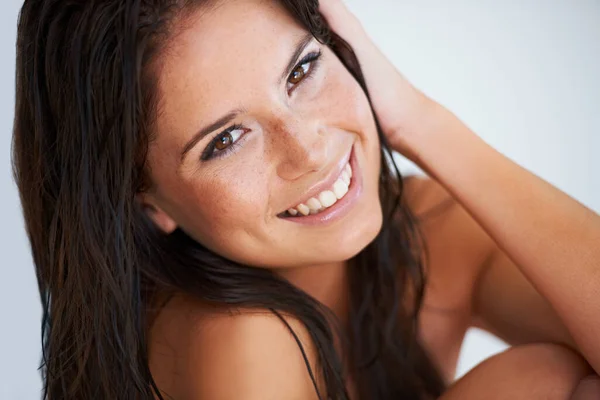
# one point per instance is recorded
(85, 102)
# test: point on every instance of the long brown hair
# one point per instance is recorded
(85, 104)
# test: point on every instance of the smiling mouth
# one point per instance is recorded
(325, 199)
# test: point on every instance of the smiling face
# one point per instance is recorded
(256, 117)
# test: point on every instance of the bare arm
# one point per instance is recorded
(550, 237)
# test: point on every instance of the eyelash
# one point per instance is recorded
(209, 152)
(313, 59)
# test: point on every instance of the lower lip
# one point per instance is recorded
(341, 207)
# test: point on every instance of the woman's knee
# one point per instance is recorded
(533, 371)
(588, 389)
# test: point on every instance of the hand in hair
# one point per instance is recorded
(402, 109)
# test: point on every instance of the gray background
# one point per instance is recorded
(525, 75)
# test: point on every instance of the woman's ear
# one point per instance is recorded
(160, 218)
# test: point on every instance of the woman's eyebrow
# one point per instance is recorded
(219, 123)
(300, 46)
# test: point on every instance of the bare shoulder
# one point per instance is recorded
(424, 194)
(457, 245)
(200, 353)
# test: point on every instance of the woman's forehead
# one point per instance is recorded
(234, 33)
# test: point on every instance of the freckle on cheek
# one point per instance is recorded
(279, 126)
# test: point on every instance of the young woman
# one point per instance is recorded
(214, 214)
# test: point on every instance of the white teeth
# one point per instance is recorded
(303, 209)
(314, 204)
(327, 198)
(345, 177)
(340, 188)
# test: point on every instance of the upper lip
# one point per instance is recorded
(327, 183)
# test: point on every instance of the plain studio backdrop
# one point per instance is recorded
(524, 75)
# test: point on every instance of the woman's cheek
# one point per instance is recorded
(227, 205)
(343, 102)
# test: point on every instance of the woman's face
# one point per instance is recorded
(251, 124)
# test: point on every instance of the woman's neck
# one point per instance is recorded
(327, 283)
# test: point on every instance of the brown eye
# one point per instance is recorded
(298, 74)
(224, 141)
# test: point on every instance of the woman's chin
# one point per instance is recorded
(353, 241)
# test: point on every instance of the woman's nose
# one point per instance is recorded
(300, 146)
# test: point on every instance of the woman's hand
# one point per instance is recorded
(404, 112)
(551, 238)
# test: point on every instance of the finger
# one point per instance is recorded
(340, 18)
